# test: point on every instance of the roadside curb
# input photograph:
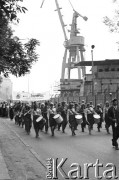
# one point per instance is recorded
(37, 157)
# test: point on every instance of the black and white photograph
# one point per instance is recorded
(59, 89)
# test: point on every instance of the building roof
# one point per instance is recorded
(69, 90)
(99, 63)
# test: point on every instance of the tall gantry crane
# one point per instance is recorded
(74, 46)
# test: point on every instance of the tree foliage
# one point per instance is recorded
(10, 9)
(113, 23)
(15, 57)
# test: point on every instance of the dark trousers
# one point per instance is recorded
(83, 124)
(53, 129)
(46, 125)
(115, 130)
(59, 125)
(4, 112)
(64, 123)
(100, 123)
(107, 122)
(46, 122)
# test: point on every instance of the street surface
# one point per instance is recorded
(31, 153)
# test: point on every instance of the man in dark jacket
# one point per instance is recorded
(64, 116)
(113, 114)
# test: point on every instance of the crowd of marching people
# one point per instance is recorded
(48, 115)
(4, 109)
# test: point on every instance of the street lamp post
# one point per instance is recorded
(110, 97)
(92, 47)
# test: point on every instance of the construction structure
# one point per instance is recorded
(74, 53)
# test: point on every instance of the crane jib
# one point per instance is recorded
(74, 46)
(42, 3)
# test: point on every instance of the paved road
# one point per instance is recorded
(81, 149)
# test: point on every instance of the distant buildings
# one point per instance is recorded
(106, 76)
(104, 81)
(27, 97)
(5, 89)
(99, 86)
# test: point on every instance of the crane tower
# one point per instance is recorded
(75, 46)
(74, 53)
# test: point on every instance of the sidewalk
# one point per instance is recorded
(3, 169)
(4, 175)
(17, 162)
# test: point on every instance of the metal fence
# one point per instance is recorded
(96, 99)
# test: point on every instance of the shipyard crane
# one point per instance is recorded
(74, 45)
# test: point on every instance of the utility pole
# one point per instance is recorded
(92, 47)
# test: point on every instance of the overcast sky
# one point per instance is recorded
(44, 25)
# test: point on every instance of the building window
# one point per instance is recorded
(112, 69)
(100, 70)
(106, 69)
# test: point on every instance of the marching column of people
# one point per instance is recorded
(48, 115)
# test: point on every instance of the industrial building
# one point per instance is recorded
(104, 81)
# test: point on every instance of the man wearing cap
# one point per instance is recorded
(91, 104)
(113, 114)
